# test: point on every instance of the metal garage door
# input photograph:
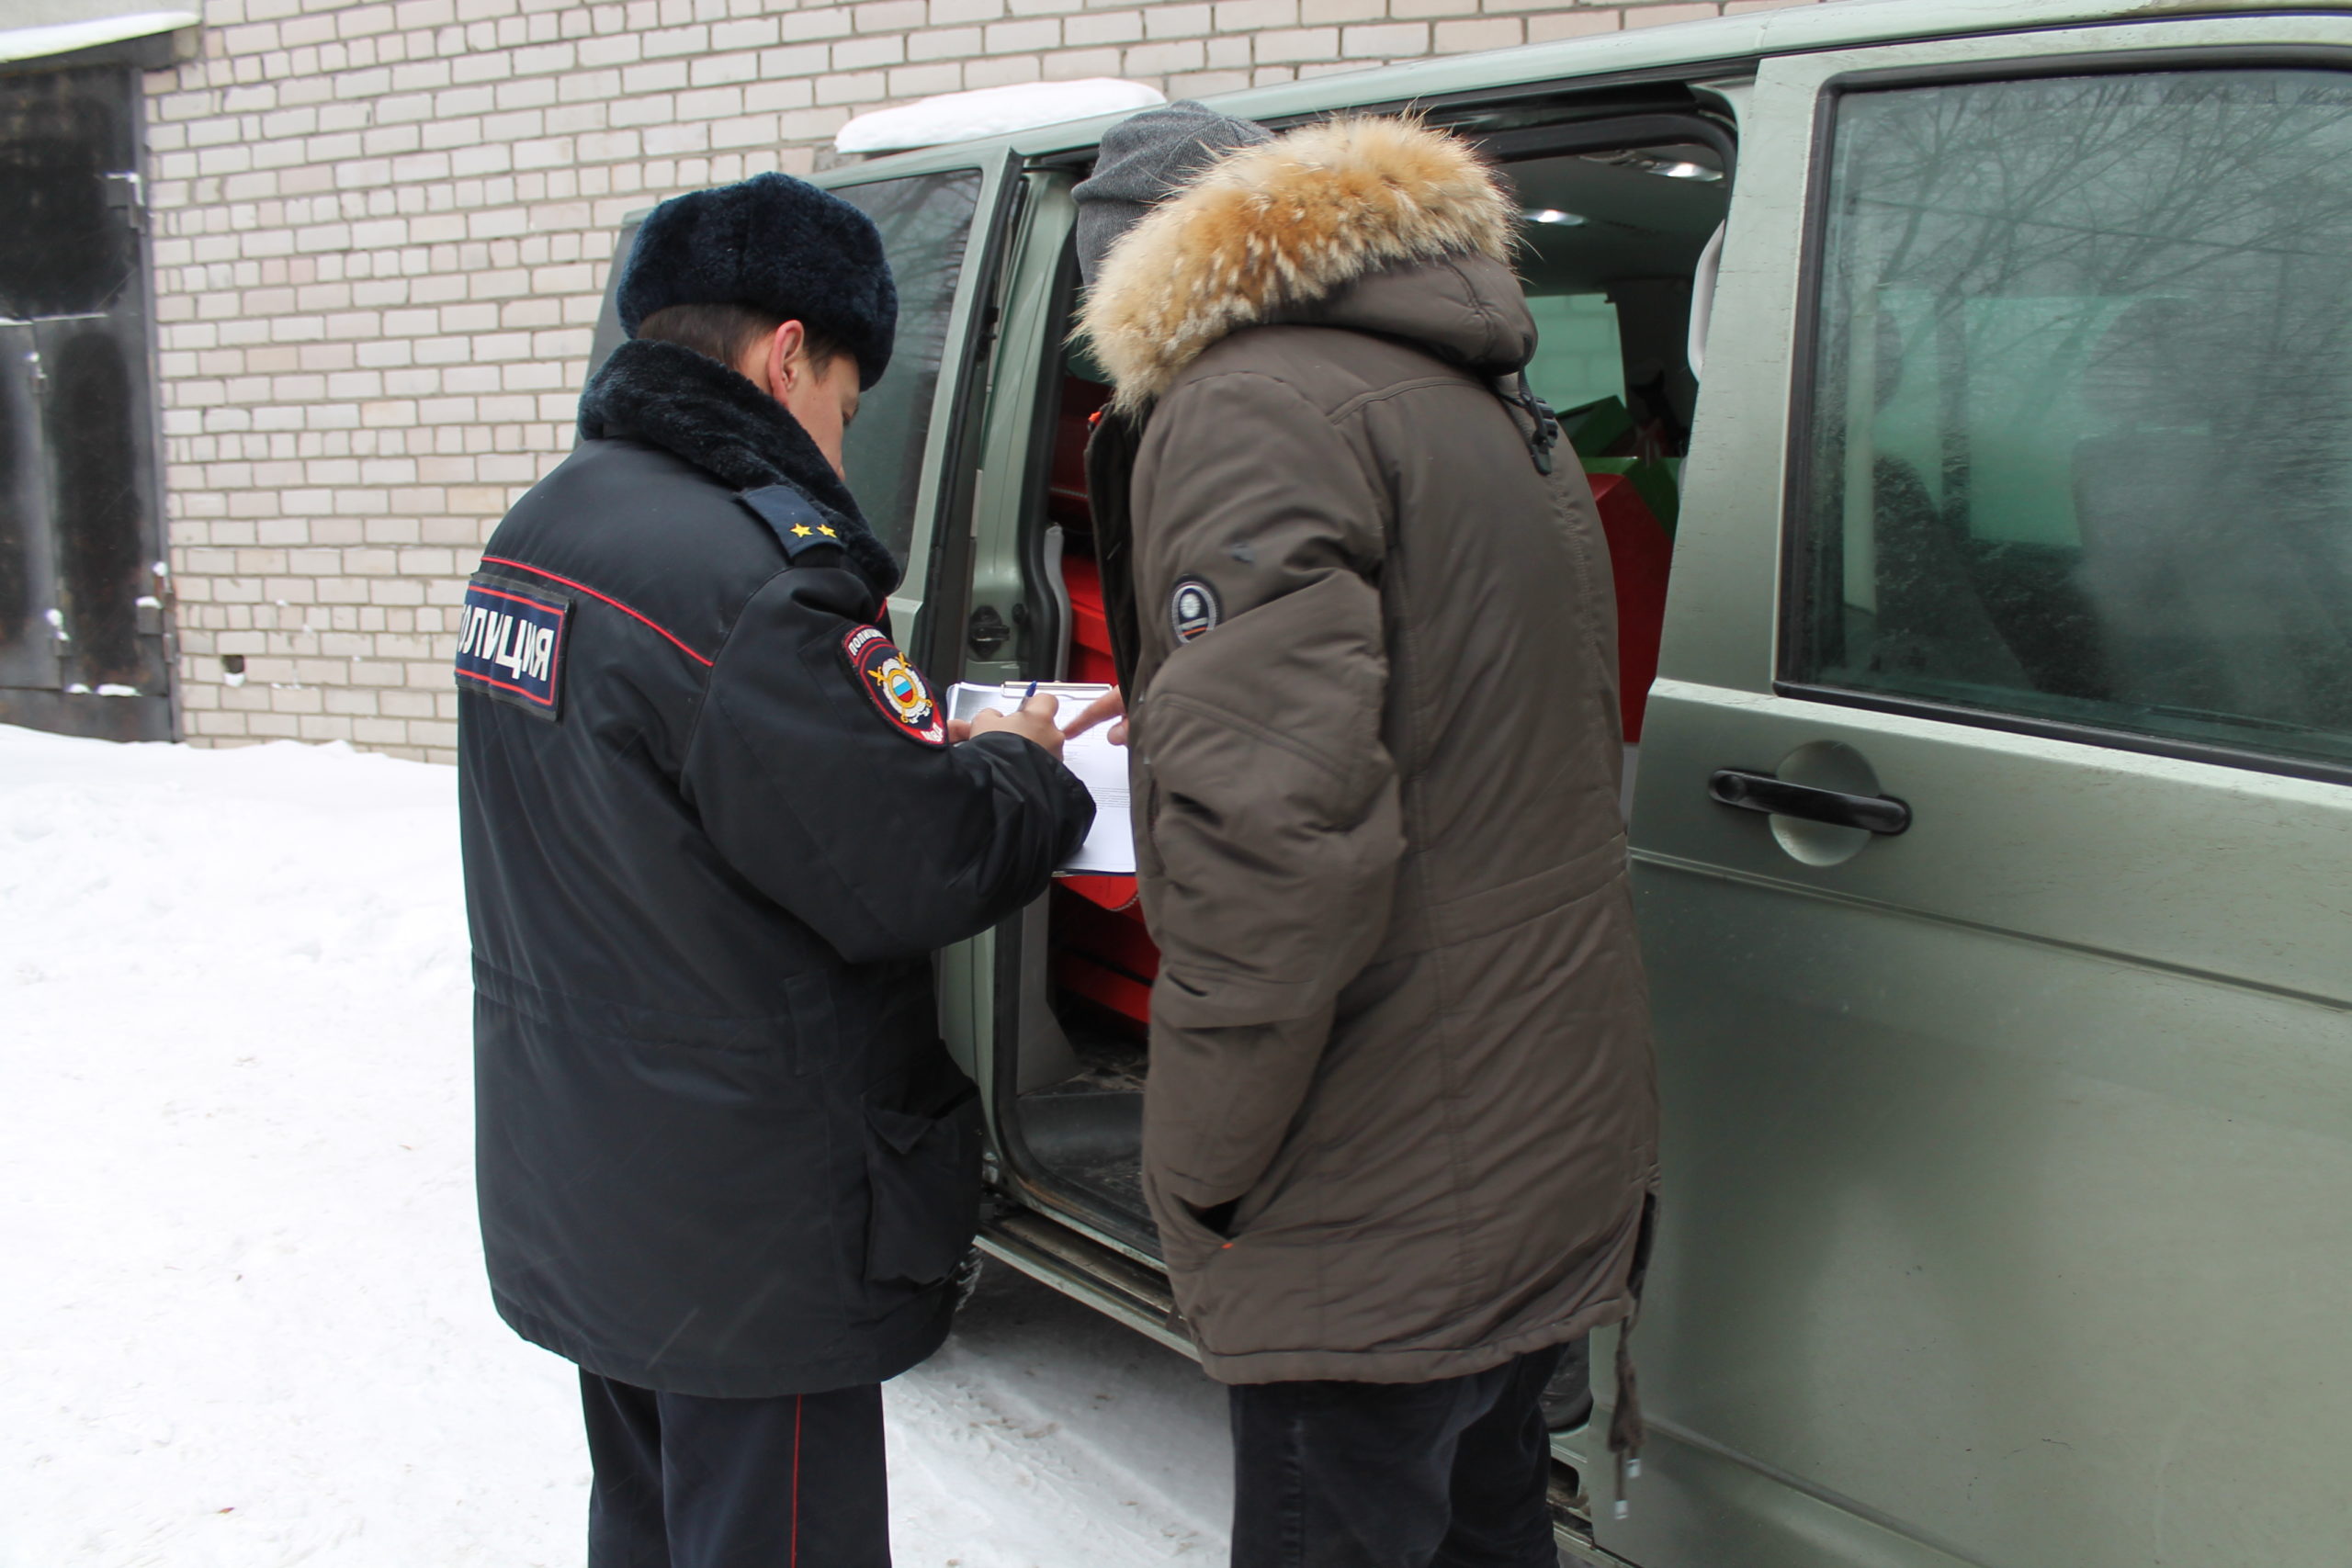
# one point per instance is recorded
(81, 589)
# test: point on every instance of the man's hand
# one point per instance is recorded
(1111, 703)
(1032, 721)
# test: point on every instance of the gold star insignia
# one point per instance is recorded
(800, 530)
(827, 529)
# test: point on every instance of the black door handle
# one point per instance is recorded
(1762, 791)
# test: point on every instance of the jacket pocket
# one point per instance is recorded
(1186, 1240)
(923, 1172)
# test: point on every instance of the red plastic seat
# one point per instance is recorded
(1641, 554)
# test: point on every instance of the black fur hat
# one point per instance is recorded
(774, 243)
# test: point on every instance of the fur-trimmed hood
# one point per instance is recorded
(1301, 230)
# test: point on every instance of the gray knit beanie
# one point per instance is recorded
(1148, 158)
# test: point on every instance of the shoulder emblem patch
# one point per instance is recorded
(1193, 609)
(510, 644)
(895, 686)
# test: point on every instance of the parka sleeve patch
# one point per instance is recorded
(895, 686)
(1194, 609)
(510, 644)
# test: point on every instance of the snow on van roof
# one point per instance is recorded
(991, 111)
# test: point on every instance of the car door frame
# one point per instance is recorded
(1093, 1256)
(985, 976)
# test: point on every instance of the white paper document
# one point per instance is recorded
(1110, 846)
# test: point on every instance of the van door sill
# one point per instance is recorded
(1055, 1254)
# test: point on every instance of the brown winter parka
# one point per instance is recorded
(1400, 1123)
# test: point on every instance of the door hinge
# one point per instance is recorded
(127, 193)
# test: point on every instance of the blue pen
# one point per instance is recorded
(1027, 695)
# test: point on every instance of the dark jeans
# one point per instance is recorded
(1447, 1474)
(684, 1482)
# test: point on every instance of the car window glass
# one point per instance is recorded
(926, 222)
(1606, 247)
(1579, 358)
(2081, 442)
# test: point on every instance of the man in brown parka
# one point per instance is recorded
(1400, 1121)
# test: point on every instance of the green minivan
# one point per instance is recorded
(1967, 389)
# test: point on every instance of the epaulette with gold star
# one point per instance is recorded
(794, 519)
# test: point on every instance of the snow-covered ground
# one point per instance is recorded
(243, 1322)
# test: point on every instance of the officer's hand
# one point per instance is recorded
(1111, 703)
(1032, 721)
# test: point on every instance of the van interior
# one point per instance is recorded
(1614, 236)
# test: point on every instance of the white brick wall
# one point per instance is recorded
(380, 234)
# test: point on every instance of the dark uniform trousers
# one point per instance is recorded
(686, 1482)
(1445, 1474)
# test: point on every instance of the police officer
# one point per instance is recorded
(715, 825)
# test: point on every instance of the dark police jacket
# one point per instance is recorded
(713, 831)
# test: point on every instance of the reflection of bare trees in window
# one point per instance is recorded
(2104, 185)
(2143, 283)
